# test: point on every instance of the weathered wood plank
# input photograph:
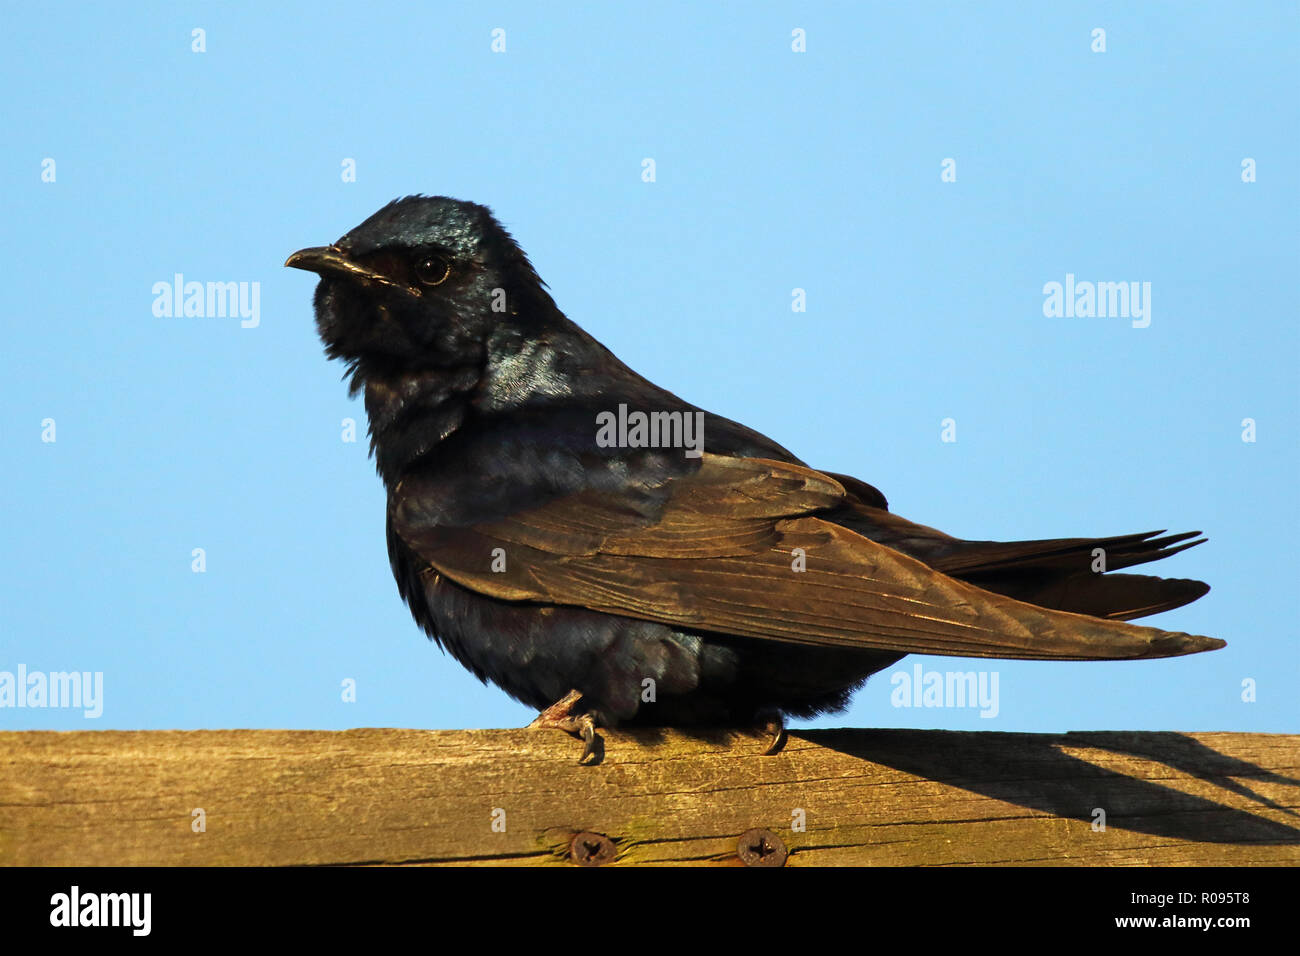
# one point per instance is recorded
(874, 797)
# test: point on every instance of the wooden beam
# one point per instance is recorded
(875, 797)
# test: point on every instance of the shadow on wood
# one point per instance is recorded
(839, 797)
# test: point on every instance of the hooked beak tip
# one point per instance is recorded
(310, 259)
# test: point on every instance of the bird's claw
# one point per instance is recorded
(776, 727)
(587, 726)
(559, 716)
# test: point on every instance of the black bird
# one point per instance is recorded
(554, 523)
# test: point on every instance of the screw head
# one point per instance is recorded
(591, 849)
(762, 848)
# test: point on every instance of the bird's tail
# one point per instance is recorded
(1069, 574)
(1064, 574)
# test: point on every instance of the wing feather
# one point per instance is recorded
(740, 547)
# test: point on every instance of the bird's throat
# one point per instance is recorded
(412, 412)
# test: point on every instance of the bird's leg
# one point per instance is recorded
(560, 716)
(561, 710)
(774, 724)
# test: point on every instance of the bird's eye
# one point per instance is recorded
(433, 270)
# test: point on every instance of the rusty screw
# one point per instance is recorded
(762, 848)
(591, 849)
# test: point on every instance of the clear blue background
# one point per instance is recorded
(776, 170)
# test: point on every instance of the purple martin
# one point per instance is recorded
(609, 553)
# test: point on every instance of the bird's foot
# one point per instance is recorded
(560, 716)
(774, 725)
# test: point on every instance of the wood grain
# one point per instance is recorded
(868, 797)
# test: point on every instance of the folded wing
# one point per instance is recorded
(745, 546)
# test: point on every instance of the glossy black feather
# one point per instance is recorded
(482, 398)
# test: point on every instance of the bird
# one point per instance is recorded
(611, 555)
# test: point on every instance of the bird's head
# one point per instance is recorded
(420, 283)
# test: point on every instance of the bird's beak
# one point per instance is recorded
(330, 261)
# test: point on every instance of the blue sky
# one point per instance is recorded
(775, 170)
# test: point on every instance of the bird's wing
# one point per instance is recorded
(737, 547)
(1059, 573)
